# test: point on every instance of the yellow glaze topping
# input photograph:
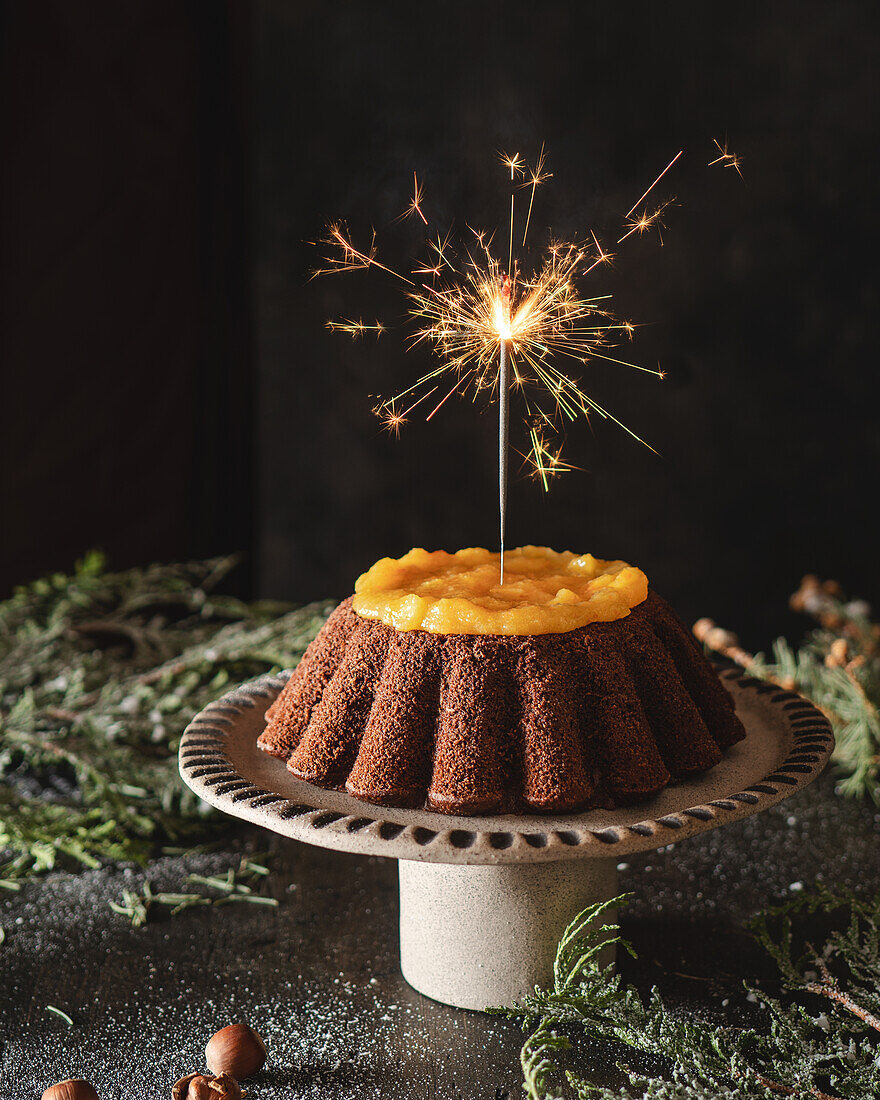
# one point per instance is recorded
(544, 592)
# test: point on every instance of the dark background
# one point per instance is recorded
(169, 388)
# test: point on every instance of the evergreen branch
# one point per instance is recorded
(99, 674)
(538, 1065)
(828, 988)
(829, 1058)
(837, 666)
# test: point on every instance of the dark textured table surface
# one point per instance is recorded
(318, 975)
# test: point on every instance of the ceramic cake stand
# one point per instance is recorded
(483, 900)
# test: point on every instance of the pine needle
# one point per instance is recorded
(58, 1012)
(136, 908)
(236, 885)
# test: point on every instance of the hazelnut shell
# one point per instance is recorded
(198, 1086)
(71, 1089)
(180, 1089)
(237, 1050)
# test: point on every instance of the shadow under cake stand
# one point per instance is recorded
(483, 900)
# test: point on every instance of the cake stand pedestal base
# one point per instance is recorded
(487, 935)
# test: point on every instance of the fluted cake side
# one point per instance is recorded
(603, 715)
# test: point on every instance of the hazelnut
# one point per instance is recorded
(198, 1086)
(70, 1090)
(237, 1050)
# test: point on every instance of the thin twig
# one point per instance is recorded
(829, 988)
(786, 1090)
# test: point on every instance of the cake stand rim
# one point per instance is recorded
(333, 819)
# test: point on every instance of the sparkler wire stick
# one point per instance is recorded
(503, 411)
(503, 433)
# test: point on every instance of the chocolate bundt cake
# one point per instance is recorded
(483, 722)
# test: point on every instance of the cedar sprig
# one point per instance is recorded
(99, 674)
(837, 667)
(845, 974)
(673, 1056)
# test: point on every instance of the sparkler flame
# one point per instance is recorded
(467, 307)
(541, 318)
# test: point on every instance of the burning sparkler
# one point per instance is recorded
(495, 329)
